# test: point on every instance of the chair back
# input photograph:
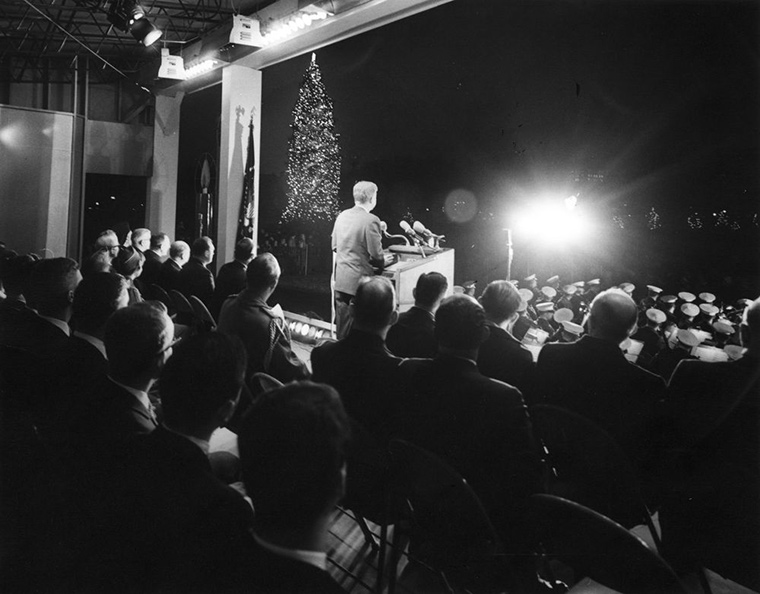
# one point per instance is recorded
(587, 465)
(185, 313)
(448, 527)
(202, 314)
(158, 293)
(596, 547)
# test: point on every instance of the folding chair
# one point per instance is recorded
(202, 314)
(598, 548)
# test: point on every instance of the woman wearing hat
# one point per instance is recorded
(129, 263)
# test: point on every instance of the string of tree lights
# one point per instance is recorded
(313, 173)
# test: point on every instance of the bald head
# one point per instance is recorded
(374, 305)
(613, 316)
(750, 328)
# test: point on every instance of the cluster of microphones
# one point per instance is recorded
(416, 233)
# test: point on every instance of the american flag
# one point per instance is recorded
(245, 220)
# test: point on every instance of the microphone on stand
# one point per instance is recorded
(418, 239)
(384, 231)
(427, 233)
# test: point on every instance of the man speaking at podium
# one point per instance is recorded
(356, 242)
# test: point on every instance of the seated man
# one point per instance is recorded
(231, 277)
(195, 278)
(82, 362)
(359, 366)
(263, 332)
(138, 341)
(168, 277)
(592, 377)
(501, 356)
(292, 452)
(180, 525)
(414, 333)
(478, 425)
(154, 258)
(711, 515)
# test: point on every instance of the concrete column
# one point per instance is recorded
(161, 208)
(241, 99)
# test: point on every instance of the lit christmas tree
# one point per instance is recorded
(313, 155)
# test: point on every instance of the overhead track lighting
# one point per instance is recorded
(246, 31)
(171, 66)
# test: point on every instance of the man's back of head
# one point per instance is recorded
(292, 444)
(244, 250)
(374, 306)
(613, 316)
(15, 272)
(201, 382)
(179, 251)
(430, 289)
(138, 340)
(500, 300)
(96, 298)
(364, 192)
(141, 239)
(460, 325)
(159, 243)
(263, 273)
(51, 287)
(203, 249)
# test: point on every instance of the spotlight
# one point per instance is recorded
(145, 32)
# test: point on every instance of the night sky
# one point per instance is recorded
(506, 99)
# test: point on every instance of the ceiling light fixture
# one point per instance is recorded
(171, 66)
(296, 21)
(129, 16)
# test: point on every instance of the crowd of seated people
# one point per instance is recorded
(108, 417)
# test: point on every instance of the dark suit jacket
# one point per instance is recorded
(114, 415)
(594, 379)
(357, 243)
(367, 378)
(713, 510)
(264, 572)
(229, 281)
(168, 278)
(502, 357)
(151, 270)
(196, 279)
(266, 338)
(71, 375)
(413, 335)
(653, 343)
(478, 425)
(23, 328)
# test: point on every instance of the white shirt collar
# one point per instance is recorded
(94, 341)
(139, 394)
(316, 558)
(58, 323)
(201, 443)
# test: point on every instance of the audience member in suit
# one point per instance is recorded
(154, 258)
(593, 378)
(712, 513)
(292, 450)
(129, 264)
(231, 277)
(168, 278)
(52, 283)
(140, 240)
(264, 334)
(414, 333)
(501, 356)
(359, 366)
(108, 243)
(173, 525)
(651, 335)
(82, 363)
(14, 272)
(357, 243)
(86, 477)
(138, 341)
(195, 278)
(478, 425)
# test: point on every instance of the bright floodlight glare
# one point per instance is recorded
(552, 223)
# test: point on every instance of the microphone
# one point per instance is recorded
(422, 230)
(410, 232)
(384, 228)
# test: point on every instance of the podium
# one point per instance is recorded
(410, 263)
